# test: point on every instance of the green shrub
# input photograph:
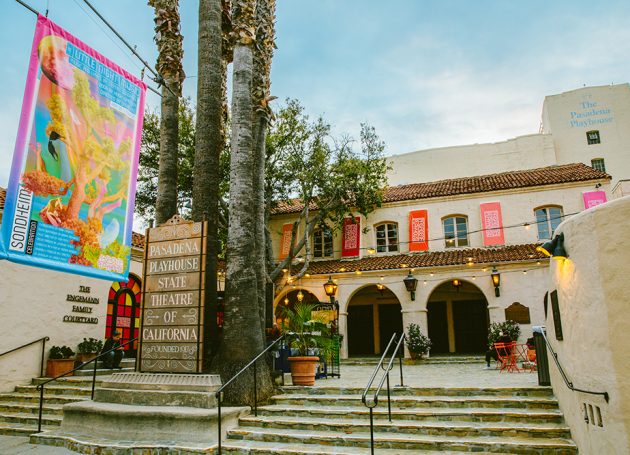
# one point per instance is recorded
(510, 328)
(90, 346)
(60, 352)
(416, 341)
(305, 332)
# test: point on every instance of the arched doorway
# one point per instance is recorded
(373, 316)
(290, 299)
(123, 311)
(458, 319)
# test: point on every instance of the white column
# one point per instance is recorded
(343, 330)
(415, 316)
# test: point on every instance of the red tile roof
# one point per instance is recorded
(511, 253)
(3, 196)
(552, 175)
(137, 240)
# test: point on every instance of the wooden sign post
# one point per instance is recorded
(171, 336)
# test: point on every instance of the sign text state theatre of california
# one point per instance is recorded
(172, 316)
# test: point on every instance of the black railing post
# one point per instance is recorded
(41, 369)
(219, 422)
(41, 406)
(400, 358)
(94, 378)
(255, 394)
(389, 400)
(372, 431)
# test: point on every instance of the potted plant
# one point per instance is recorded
(417, 343)
(308, 336)
(88, 349)
(509, 328)
(60, 361)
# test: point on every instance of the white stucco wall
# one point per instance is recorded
(517, 207)
(523, 152)
(568, 116)
(593, 296)
(33, 304)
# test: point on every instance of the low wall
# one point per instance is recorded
(593, 298)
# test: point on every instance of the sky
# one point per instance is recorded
(424, 73)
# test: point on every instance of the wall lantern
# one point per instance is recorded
(457, 283)
(410, 284)
(331, 289)
(496, 281)
(300, 295)
(380, 287)
(554, 248)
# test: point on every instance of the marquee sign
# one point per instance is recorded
(172, 315)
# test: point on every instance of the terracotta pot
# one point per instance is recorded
(303, 369)
(416, 355)
(56, 367)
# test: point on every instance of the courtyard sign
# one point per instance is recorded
(172, 314)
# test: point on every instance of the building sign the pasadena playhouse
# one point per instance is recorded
(172, 315)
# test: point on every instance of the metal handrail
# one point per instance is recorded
(41, 386)
(390, 365)
(568, 383)
(43, 340)
(218, 392)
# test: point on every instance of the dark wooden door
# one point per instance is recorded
(389, 322)
(470, 321)
(438, 327)
(360, 330)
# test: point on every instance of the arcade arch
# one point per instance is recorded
(457, 319)
(373, 316)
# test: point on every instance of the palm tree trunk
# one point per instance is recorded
(242, 330)
(169, 66)
(209, 143)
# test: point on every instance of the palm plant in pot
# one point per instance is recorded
(417, 343)
(309, 336)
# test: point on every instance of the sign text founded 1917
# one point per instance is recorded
(172, 315)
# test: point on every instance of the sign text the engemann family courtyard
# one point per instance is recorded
(172, 316)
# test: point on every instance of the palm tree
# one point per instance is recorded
(169, 66)
(243, 332)
(209, 143)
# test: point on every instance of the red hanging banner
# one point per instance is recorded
(285, 241)
(593, 198)
(418, 230)
(492, 224)
(351, 237)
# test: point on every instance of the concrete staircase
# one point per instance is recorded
(19, 410)
(433, 360)
(329, 420)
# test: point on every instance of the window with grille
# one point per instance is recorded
(598, 164)
(547, 220)
(455, 231)
(323, 243)
(592, 137)
(386, 237)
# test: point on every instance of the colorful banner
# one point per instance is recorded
(285, 242)
(492, 224)
(418, 230)
(593, 198)
(69, 204)
(351, 237)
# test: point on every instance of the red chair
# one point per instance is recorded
(507, 356)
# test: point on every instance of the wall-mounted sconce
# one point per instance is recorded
(457, 283)
(496, 281)
(554, 248)
(410, 284)
(380, 287)
(330, 287)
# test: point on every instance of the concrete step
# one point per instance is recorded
(407, 442)
(432, 360)
(29, 419)
(551, 416)
(426, 391)
(31, 408)
(56, 389)
(436, 428)
(21, 429)
(13, 397)
(234, 447)
(422, 402)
